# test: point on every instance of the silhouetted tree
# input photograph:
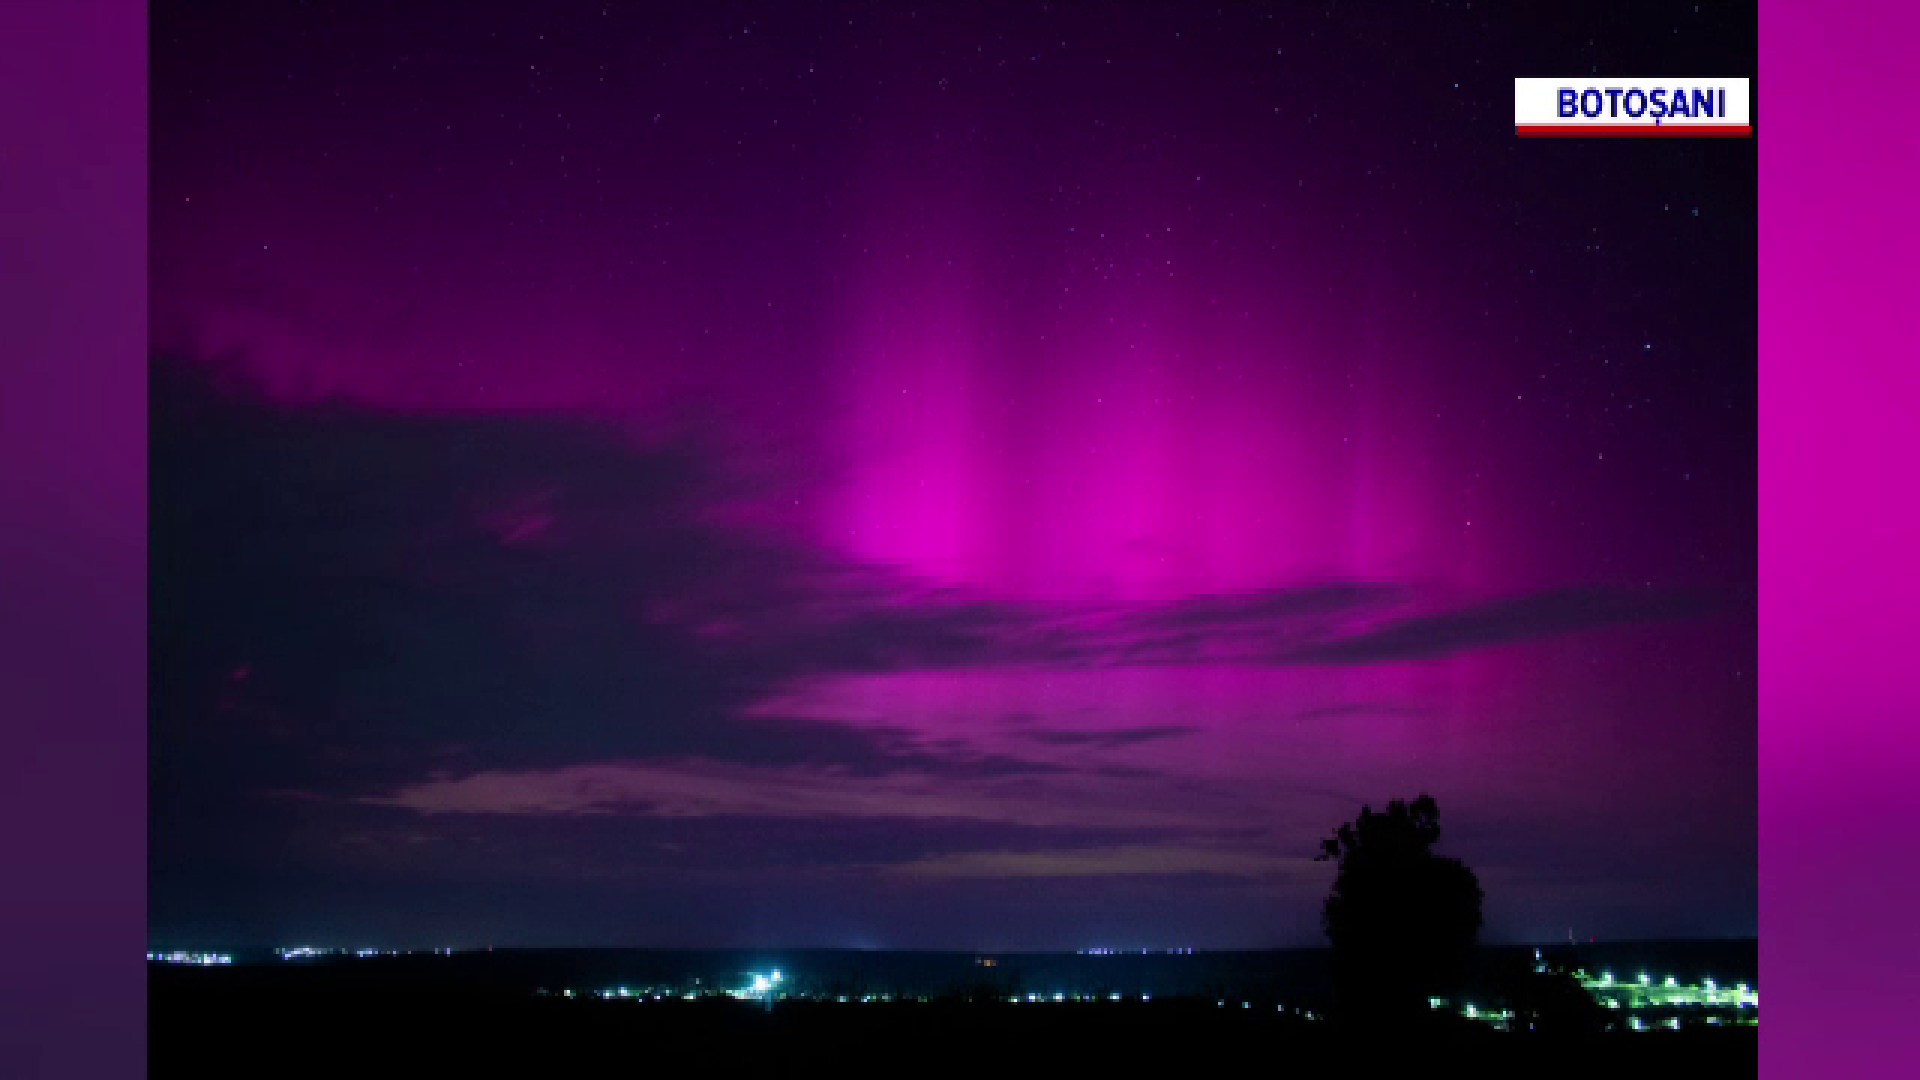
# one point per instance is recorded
(1402, 920)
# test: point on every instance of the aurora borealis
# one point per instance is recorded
(901, 477)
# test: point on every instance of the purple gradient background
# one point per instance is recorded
(1834, 435)
(73, 422)
(1838, 584)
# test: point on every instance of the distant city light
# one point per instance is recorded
(1669, 994)
(194, 958)
(1647, 1004)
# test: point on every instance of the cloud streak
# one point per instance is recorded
(549, 584)
(1534, 616)
(699, 788)
(1130, 860)
(554, 618)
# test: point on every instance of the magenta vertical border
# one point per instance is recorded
(1839, 531)
(73, 150)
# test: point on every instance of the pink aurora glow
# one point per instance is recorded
(939, 347)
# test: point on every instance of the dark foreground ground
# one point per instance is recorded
(268, 1022)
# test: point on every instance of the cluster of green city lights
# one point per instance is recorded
(1649, 1003)
(1643, 1001)
(1643, 992)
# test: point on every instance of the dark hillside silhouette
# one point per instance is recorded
(1548, 998)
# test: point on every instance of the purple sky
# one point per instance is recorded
(884, 475)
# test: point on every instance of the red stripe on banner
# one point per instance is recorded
(1634, 131)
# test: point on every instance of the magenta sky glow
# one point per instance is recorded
(856, 477)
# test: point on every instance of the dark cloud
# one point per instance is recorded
(525, 589)
(1109, 738)
(1529, 617)
(345, 600)
(1265, 607)
(355, 563)
(863, 751)
(1357, 708)
(634, 844)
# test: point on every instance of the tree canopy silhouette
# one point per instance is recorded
(1402, 920)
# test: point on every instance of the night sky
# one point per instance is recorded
(911, 476)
